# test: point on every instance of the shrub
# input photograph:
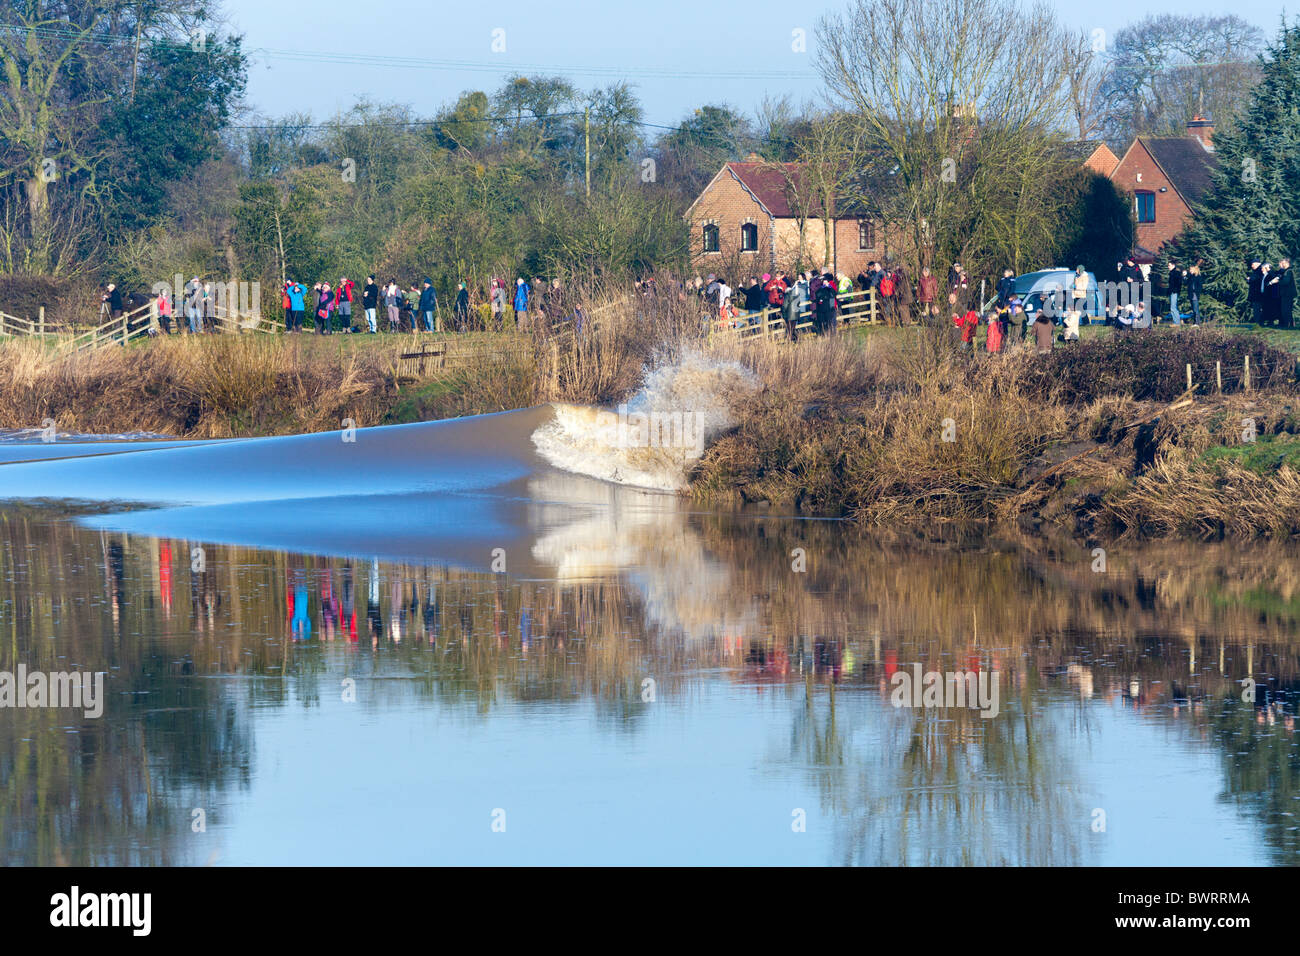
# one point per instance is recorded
(1152, 365)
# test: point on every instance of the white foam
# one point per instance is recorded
(653, 439)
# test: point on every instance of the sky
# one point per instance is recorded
(324, 56)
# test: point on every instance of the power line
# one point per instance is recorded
(51, 31)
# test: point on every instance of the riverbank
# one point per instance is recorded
(1102, 439)
(884, 426)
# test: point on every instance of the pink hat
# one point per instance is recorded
(766, 276)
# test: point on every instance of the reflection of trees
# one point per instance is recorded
(194, 654)
(119, 789)
(1261, 764)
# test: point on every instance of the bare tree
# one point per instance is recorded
(951, 104)
(1085, 71)
(1164, 70)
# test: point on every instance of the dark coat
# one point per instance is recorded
(1286, 285)
(1255, 285)
(1006, 286)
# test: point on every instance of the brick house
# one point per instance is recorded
(748, 212)
(1166, 175)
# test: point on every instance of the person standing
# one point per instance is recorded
(324, 309)
(287, 305)
(498, 303)
(428, 302)
(790, 308)
(413, 307)
(1285, 279)
(1175, 290)
(194, 304)
(927, 289)
(1131, 276)
(995, 336)
(461, 308)
(393, 303)
(825, 305)
(1255, 291)
(888, 301)
(1043, 334)
(346, 293)
(1078, 299)
(209, 308)
(1006, 286)
(297, 305)
(520, 304)
(1195, 283)
(370, 302)
(1272, 311)
(164, 306)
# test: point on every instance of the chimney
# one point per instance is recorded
(1202, 130)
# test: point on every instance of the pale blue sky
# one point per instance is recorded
(670, 49)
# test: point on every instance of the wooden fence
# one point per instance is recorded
(856, 308)
(128, 326)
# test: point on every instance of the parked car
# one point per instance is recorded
(1035, 288)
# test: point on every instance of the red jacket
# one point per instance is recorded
(927, 288)
(775, 292)
(345, 291)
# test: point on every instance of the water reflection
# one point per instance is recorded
(770, 693)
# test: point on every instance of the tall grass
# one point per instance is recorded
(214, 387)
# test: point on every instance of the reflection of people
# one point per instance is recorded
(373, 619)
(328, 606)
(165, 577)
(300, 623)
(348, 610)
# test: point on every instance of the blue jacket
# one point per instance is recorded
(428, 299)
(296, 293)
(521, 297)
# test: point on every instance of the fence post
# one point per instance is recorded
(124, 328)
(1246, 379)
(1189, 376)
(42, 321)
(1218, 375)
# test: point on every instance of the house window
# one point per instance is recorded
(866, 235)
(1146, 207)
(711, 238)
(749, 237)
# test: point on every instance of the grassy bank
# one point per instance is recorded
(1102, 438)
(227, 385)
(885, 426)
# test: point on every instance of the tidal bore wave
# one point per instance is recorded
(450, 490)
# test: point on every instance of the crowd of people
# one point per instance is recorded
(527, 306)
(1271, 293)
(816, 297)
(344, 306)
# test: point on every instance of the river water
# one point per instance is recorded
(427, 645)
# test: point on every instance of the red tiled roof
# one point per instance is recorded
(1102, 160)
(769, 184)
(1186, 162)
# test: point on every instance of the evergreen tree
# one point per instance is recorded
(1098, 229)
(1253, 206)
